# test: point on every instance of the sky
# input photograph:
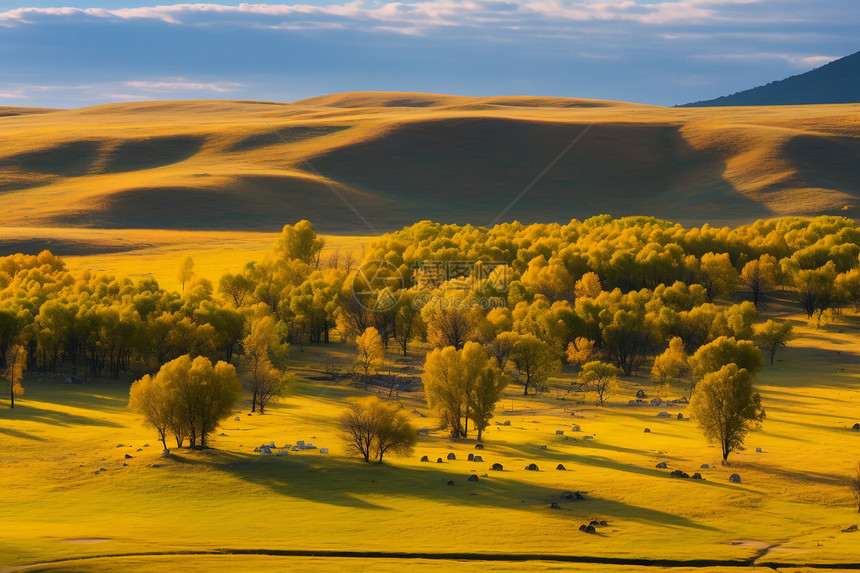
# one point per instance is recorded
(75, 53)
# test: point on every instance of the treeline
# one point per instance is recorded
(619, 289)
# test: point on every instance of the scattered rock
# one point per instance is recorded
(128, 457)
(656, 401)
(577, 495)
(237, 419)
(758, 451)
(850, 529)
(735, 478)
(165, 453)
(124, 465)
(561, 467)
(451, 482)
(532, 467)
(647, 431)
(661, 466)
(664, 415)
(587, 437)
(590, 529)
(640, 393)
(478, 459)
(496, 467)
(543, 447)
(479, 446)
(473, 477)
(582, 527)
(264, 450)
(603, 524)
(679, 474)
(425, 459)
(451, 457)
(145, 445)
(559, 432)
(423, 431)
(575, 428)
(120, 445)
(697, 475)
(554, 505)
(856, 427)
(438, 460)
(506, 423)
(471, 458)
(139, 449)
(283, 453)
(680, 416)
(323, 450)
(705, 467)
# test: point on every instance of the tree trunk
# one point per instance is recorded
(11, 394)
(772, 354)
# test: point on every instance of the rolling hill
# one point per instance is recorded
(836, 82)
(395, 158)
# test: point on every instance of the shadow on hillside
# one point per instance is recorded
(19, 434)
(348, 482)
(28, 412)
(808, 476)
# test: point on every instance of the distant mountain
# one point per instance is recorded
(836, 82)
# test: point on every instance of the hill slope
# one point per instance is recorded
(396, 158)
(836, 82)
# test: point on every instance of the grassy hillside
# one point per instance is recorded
(70, 491)
(399, 157)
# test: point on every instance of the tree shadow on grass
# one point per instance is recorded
(19, 434)
(28, 412)
(348, 482)
(798, 475)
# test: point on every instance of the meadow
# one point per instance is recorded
(131, 190)
(70, 491)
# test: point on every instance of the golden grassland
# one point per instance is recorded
(138, 253)
(398, 157)
(68, 494)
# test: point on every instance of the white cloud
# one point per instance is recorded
(417, 13)
(181, 84)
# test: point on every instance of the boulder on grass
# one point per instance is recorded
(735, 478)
(471, 457)
(473, 477)
(679, 474)
(425, 459)
(532, 467)
(479, 446)
(451, 457)
(647, 431)
(438, 460)
(697, 475)
(496, 467)
(478, 459)
(451, 482)
(661, 466)
(561, 467)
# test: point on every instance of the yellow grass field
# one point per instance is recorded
(68, 492)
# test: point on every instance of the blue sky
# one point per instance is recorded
(73, 53)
